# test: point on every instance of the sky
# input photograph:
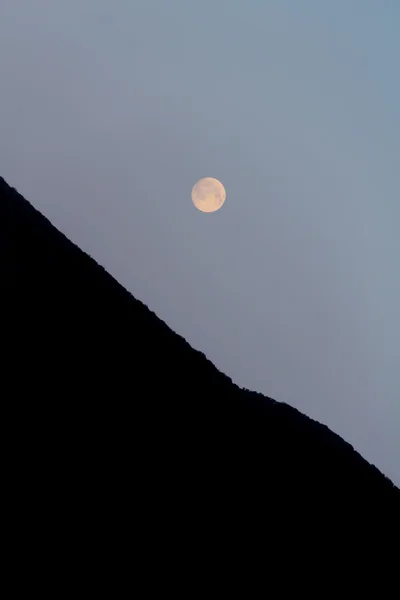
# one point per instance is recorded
(111, 111)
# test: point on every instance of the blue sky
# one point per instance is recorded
(110, 112)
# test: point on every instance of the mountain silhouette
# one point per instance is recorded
(118, 424)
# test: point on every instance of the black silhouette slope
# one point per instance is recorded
(103, 391)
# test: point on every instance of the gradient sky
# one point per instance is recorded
(111, 111)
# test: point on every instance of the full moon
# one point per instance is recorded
(208, 194)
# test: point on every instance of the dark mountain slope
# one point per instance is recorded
(116, 410)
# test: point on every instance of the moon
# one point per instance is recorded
(208, 194)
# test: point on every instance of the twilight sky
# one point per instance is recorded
(111, 111)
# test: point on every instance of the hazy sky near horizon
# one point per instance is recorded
(111, 111)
